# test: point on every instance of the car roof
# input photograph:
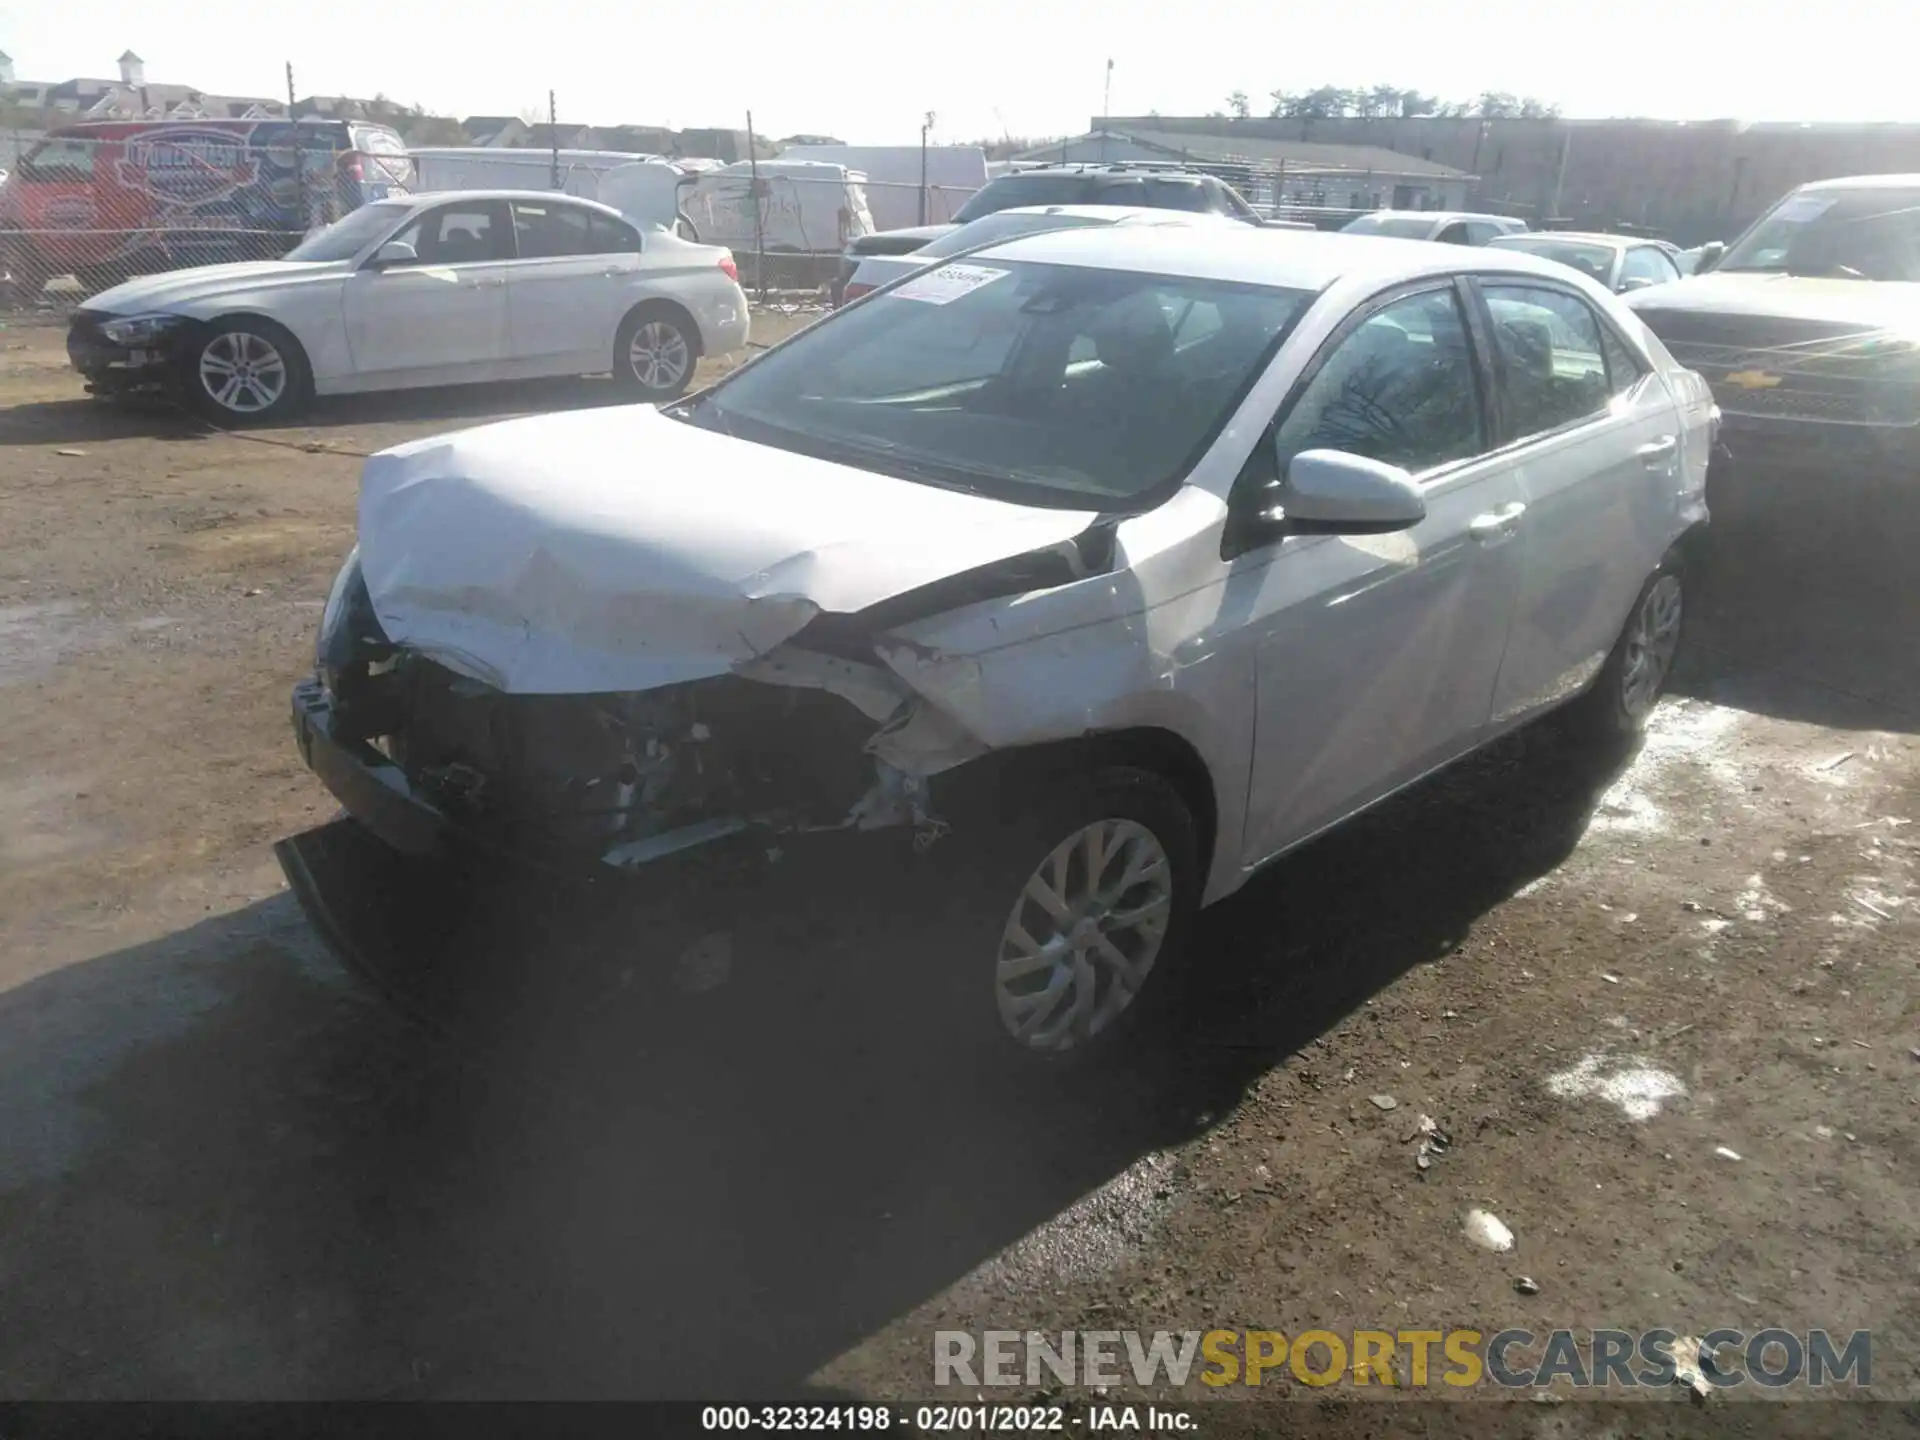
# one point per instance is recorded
(1289, 259)
(1438, 215)
(545, 197)
(1109, 212)
(1578, 237)
(1867, 182)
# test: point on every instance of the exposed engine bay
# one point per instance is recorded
(627, 777)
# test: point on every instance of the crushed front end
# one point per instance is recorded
(430, 759)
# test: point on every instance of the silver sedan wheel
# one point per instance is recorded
(1652, 638)
(243, 372)
(659, 355)
(1084, 935)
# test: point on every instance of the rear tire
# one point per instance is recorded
(655, 352)
(1622, 697)
(1059, 962)
(244, 371)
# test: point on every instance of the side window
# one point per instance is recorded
(545, 230)
(1399, 388)
(1553, 361)
(1647, 262)
(461, 234)
(613, 237)
(1623, 366)
(1454, 234)
(1479, 232)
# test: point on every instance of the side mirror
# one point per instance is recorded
(1329, 492)
(394, 252)
(1710, 254)
(1634, 282)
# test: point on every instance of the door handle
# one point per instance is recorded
(487, 283)
(1496, 523)
(1657, 452)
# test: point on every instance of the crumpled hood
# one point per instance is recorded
(205, 282)
(616, 549)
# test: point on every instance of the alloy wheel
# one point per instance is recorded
(1652, 639)
(243, 372)
(1084, 935)
(659, 355)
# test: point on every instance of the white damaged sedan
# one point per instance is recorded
(1119, 560)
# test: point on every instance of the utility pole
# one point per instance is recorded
(1106, 110)
(553, 133)
(753, 197)
(305, 222)
(923, 166)
(1560, 175)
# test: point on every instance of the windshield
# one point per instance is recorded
(1041, 384)
(1003, 226)
(1595, 261)
(1404, 227)
(347, 237)
(1844, 234)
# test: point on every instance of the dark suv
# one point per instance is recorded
(1134, 184)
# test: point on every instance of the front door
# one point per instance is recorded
(1377, 655)
(443, 314)
(1595, 440)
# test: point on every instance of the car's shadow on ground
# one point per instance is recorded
(554, 1160)
(1808, 603)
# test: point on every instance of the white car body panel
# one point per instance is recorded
(364, 329)
(1312, 675)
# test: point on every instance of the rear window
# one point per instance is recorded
(1593, 261)
(1403, 227)
(1004, 226)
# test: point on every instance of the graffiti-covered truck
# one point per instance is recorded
(112, 199)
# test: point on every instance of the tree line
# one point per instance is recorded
(1332, 102)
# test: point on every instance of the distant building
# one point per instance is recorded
(808, 140)
(131, 97)
(1278, 174)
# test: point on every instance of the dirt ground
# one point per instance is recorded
(548, 1152)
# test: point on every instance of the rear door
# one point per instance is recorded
(1594, 438)
(443, 315)
(564, 294)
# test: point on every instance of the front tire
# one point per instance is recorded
(655, 352)
(244, 371)
(1623, 695)
(1074, 916)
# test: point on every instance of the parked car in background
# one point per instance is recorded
(1449, 227)
(1619, 262)
(434, 290)
(1805, 326)
(1111, 562)
(1132, 185)
(877, 270)
(104, 201)
(644, 188)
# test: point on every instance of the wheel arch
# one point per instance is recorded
(674, 308)
(993, 780)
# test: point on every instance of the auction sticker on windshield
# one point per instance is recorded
(948, 283)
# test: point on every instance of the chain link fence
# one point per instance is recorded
(81, 214)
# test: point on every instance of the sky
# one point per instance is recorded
(868, 72)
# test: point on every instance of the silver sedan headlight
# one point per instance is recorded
(140, 329)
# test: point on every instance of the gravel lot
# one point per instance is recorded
(539, 1151)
